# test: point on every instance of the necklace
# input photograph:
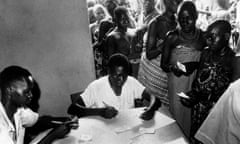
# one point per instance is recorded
(188, 37)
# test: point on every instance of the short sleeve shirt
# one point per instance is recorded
(99, 93)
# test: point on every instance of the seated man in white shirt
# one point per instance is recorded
(116, 91)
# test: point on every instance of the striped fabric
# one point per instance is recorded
(154, 78)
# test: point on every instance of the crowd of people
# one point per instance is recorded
(173, 46)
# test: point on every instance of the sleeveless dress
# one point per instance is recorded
(185, 51)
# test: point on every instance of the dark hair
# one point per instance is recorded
(224, 25)
(120, 10)
(189, 6)
(118, 60)
(12, 74)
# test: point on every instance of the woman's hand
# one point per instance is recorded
(188, 102)
(176, 71)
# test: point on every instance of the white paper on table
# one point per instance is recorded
(85, 137)
(181, 66)
(122, 129)
(143, 130)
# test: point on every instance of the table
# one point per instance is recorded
(127, 128)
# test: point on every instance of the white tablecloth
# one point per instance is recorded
(126, 128)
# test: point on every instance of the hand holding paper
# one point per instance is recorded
(181, 66)
(183, 95)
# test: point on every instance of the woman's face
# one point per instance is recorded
(216, 39)
(99, 13)
(186, 21)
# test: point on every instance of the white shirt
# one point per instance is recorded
(222, 126)
(15, 135)
(99, 92)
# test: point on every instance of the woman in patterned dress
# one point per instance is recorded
(215, 71)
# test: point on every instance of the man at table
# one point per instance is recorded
(116, 91)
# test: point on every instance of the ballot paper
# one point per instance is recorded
(181, 66)
(122, 129)
(143, 130)
(183, 95)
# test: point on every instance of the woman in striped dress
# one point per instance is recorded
(150, 73)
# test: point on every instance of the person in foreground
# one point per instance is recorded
(222, 124)
(116, 91)
(16, 85)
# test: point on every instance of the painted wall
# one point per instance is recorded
(50, 38)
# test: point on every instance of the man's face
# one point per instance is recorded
(172, 5)
(123, 20)
(118, 76)
(148, 5)
(110, 5)
(21, 93)
(216, 39)
(124, 3)
(187, 21)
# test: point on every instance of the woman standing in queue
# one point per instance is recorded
(182, 45)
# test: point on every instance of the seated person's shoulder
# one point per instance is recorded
(133, 81)
(99, 81)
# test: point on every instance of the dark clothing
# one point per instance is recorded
(100, 53)
(213, 77)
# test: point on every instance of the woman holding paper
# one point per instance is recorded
(182, 46)
(214, 74)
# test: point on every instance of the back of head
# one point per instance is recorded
(12, 74)
(118, 60)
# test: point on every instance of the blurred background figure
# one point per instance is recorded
(91, 3)
(100, 13)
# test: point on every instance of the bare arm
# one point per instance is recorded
(153, 35)
(166, 54)
(79, 109)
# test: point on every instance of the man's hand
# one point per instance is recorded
(147, 115)
(109, 112)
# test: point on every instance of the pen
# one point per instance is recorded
(57, 122)
(107, 105)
